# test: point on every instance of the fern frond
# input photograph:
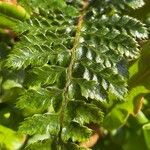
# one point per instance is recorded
(43, 144)
(84, 113)
(41, 124)
(45, 75)
(117, 5)
(37, 101)
(76, 132)
(50, 145)
(73, 56)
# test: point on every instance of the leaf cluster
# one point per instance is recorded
(71, 58)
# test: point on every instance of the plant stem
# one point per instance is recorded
(141, 118)
(14, 11)
(6, 22)
(72, 62)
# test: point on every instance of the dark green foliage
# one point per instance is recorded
(41, 124)
(74, 59)
(84, 113)
(44, 145)
(37, 100)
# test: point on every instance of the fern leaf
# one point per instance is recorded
(45, 75)
(73, 146)
(90, 51)
(72, 57)
(131, 25)
(41, 124)
(135, 3)
(44, 145)
(76, 132)
(49, 145)
(118, 5)
(37, 100)
(84, 113)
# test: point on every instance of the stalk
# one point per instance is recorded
(141, 118)
(14, 11)
(6, 22)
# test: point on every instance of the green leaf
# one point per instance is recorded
(44, 75)
(10, 139)
(40, 124)
(76, 132)
(37, 100)
(130, 25)
(84, 113)
(139, 71)
(46, 4)
(139, 87)
(119, 5)
(135, 3)
(115, 118)
(89, 89)
(43, 144)
(55, 45)
(98, 55)
(118, 115)
(74, 57)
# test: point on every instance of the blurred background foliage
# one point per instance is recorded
(127, 125)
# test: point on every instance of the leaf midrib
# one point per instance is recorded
(72, 62)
